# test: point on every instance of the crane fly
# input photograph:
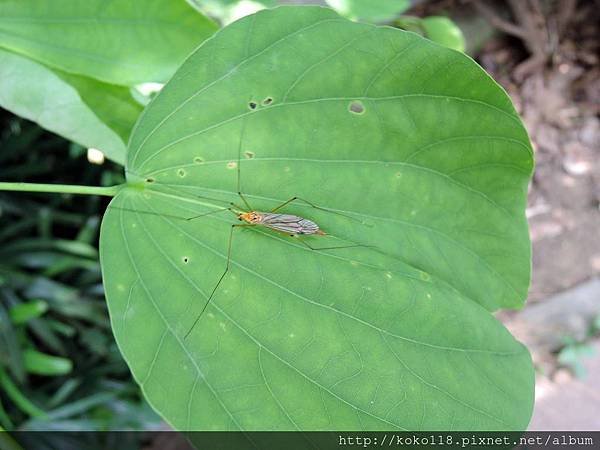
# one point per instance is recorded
(284, 223)
(289, 224)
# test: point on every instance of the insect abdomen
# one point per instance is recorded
(290, 224)
(308, 227)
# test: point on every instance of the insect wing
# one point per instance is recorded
(289, 224)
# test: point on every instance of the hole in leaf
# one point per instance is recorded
(267, 101)
(231, 165)
(249, 155)
(356, 107)
(198, 160)
(252, 105)
(181, 173)
(150, 180)
(185, 259)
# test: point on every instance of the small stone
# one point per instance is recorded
(562, 376)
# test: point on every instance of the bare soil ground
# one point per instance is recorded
(556, 88)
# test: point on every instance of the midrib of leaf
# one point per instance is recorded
(260, 345)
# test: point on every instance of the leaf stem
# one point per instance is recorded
(109, 191)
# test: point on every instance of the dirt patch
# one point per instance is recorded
(547, 60)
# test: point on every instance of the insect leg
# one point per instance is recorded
(283, 204)
(237, 207)
(332, 248)
(173, 188)
(245, 201)
(239, 164)
(233, 227)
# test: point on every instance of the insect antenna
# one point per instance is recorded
(239, 166)
(180, 195)
(335, 247)
(172, 216)
(184, 194)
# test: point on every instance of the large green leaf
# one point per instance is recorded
(120, 41)
(113, 105)
(86, 111)
(425, 160)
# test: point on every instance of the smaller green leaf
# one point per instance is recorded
(369, 10)
(444, 31)
(227, 11)
(37, 93)
(113, 105)
(438, 29)
(24, 312)
(39, 363)
(119, 42)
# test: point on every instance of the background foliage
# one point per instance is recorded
(61, 368)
